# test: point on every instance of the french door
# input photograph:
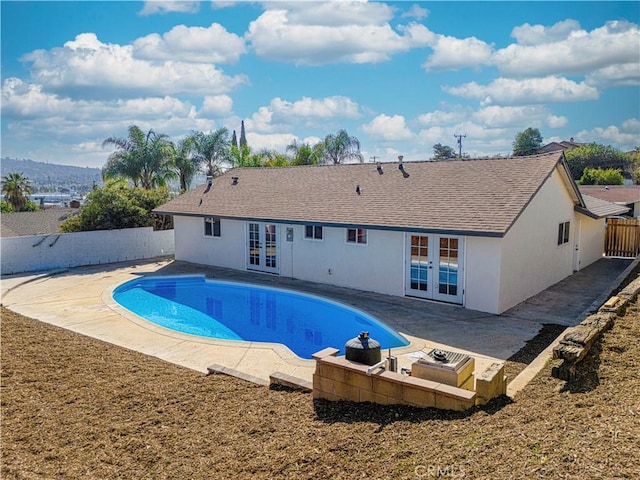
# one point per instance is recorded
(434, 267)
(262, 247)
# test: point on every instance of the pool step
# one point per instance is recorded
(221, 369)
(289, 381)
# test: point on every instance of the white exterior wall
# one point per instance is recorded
(591, 247)
(228, 250)
(46, 252)
(482, 278)
(531, 258)
(377, 266)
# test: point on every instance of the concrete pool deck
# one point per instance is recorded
(79, 299)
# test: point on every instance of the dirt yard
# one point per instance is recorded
(74, 407)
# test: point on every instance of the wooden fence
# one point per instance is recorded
(622, 237)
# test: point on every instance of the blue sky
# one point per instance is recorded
(400, 76)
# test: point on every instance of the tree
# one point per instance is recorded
(212, 150)
(144, 159)
(442, 152)
(601, 176)
(243, 136)
(594, 155)
(527, 142)
(16, 188)
(184, 163)
(119, 206)
(303, 154)
(234, 140)
(340, 147)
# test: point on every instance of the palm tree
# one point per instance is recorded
(145, 159)
(303, 154)
(184, 163)
(340, 147)
(16, 188)
(212, 150)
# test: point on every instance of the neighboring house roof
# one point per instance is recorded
(481, 197)
(602, 208)
(558, 146)
(621, 194)
(41, 222)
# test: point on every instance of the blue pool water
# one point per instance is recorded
(233, 311)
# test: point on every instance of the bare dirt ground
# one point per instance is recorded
(74, 407)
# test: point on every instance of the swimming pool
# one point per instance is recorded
(235, 311)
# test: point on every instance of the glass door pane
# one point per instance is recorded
(254, 244)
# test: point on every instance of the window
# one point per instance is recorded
(211, 227)
(357, 235)
(313, 231)
(563, 233)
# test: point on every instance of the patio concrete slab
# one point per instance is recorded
(80, 299)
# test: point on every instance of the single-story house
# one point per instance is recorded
(40, 222)
(623, 195)
(559, 146)
(485, 234)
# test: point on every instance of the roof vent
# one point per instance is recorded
(358, 189)
(234, 180)
(379, 169)
(209, 183)
(401, 167)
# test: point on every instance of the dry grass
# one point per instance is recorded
(74, 407)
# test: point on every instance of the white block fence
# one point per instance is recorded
(34, 253)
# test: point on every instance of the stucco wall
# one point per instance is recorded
(45, 252)
(591, 246)
(228, 250)
(482, 280)
(377, 266)
(531, 258)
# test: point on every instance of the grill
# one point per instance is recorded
(451, 368)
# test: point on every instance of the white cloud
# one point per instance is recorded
(450, 53)
(574, 51)
(620, 75)
(217, 106)
(388, 128)
(213, 44)
(417, 12)
(539, 34)
(625, 137)
(329, 107)
(89, 68)
(508, 91)
(21, 100)
(529, 115)
(313, 33)
(439, 117)
(555, 121)
(152, 7)
(314, 112)
(274, 141)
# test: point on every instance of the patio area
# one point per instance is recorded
(80, 300)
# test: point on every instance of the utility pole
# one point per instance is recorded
(459, 137)
(373, 159)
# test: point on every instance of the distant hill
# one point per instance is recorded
(49, 177)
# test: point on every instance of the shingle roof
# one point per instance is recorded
(602, 208)
(40, 222)
(613, 193)
(482, 197)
